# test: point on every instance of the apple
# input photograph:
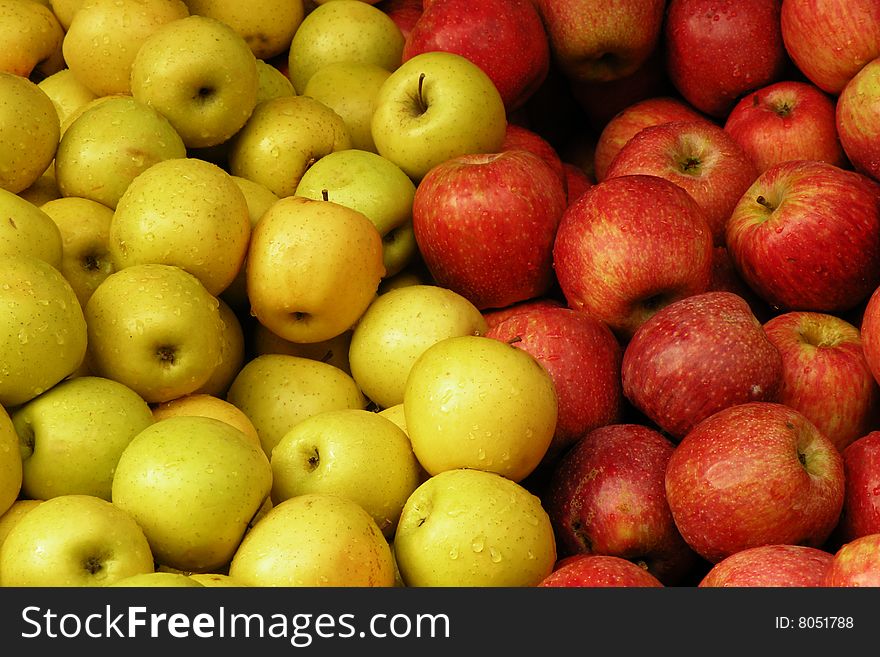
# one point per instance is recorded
(861, 502)
(403, 12)
(725, 278)
(520, 137)
(433, 107)
(856, 564)
(156, 329)
(629, 246)
(201, 75)
(495, 316)
(598, 571)
(326, 453)
(716, 53)
(697, 356)
(698, 156)
(66, 92)
(158, 579)
(276, 391)
(192, 483)
(583, 358)
(71, 436)
(28, 231)
(205, 405)
(505, 38)
(314, 540)
(856, 123)
(333, 351)
(397, 328)
(42, 190)
(43, 337)
(771, 566)
(623, 126)
(600, 42)
(233, 352)
(786, 120)
(752, 474)
(10, 518)
(64, 10)
(475, 402)
(467, 528)
(606, 495)
(485, 225)
(10, 464)
(29, 132)
(577, 181)
(74, 540)
(32, 39)
(271, 83)
(806, 236)
(824, 373)
(830, 41)
(104, 36)
(215, 579)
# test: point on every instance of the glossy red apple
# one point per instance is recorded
(856, 564)
(577, 181)
(519, 137)
(404, 13)
(629, 246)
(599, 571)
(771, 566)
(696, 357)
(754, 474)
(725, 278)
(857, 120)
(485, 225)
(806, 236)
(861, 502)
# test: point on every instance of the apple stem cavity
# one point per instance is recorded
(314, 460)
(93, 565)
(760, 200)
(166, 355)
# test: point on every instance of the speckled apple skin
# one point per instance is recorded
(771, 565)
(857, 563)
(861, 503)
(599, 571)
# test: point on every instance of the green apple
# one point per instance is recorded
(282, 138)
(42, 329)
(201, 75)
(158, 579)
(205, 405)
(72, 435)
(313, 267)
(327, 453)
(266, 25)
(469, 528)
(74, 540)
(313, 540)
(185, 212)
(28, 231)
(333, 351)
(475, 402)
(232, 353)
(85, 233)
(32, 37)
(343, 31)
(193, 483)
(378, 188)
(109, 144)
(104, 36)
(156, 329)
(29, 131)
(9, 519)
(435, 106)
(397, 328)
(278, 390)
(66, 92)
(10, 463)
(350, 90)
(272, 83)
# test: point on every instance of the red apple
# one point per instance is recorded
(404, 13)
(599, 571)
(870, 330)
(771, 566)
(697, 356)
(861, 502)
(577, 181)
(717, 51)
(806, 236)
(606, 495)
(495, 316)
(858, 123)
(829, 40)
(824, 373)
(725, 278)
(485, 226)
(520, 137)
(582, 356)
(754, 474)
(632, 119)
(629, 246)
(698, 156)
(856, 564)
(505, 38)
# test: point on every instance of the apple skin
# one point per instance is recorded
(505, 38)
(824, 373)
(698, 356)
(598, 571)
(753, 474)
(830, 41)
(583, 358)
(861, 502)
(786, 120)
(403, 12)
(771, 566)
(630, 245)
(714, 54)
(698, 156)
(577, 181)
(485, 225)
(606, 495)
(856, 564)
(856, 119)
(725, 278)
(520, 137)
(806, 236)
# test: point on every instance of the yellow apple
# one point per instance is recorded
(206, 405)
(397, 328)
(31, 36)
(65, 10)
(216, 579)
(470, 528)
(395, 414)
(27, 230)
(315, 540)
(333, 351)
(158, 579)
(272, 83)
(18, 510)
(10, 463)
(193, 483)
(66, 92)
(43, 189)
(313, 267)
(232, 353)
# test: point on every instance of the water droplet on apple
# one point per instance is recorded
(453, 553)
(478, 544)
(494, 555)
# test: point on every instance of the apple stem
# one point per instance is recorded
(515, 339)
(422, 105)
(325, 195)
(763, 201)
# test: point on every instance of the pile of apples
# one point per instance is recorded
(440, 293)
